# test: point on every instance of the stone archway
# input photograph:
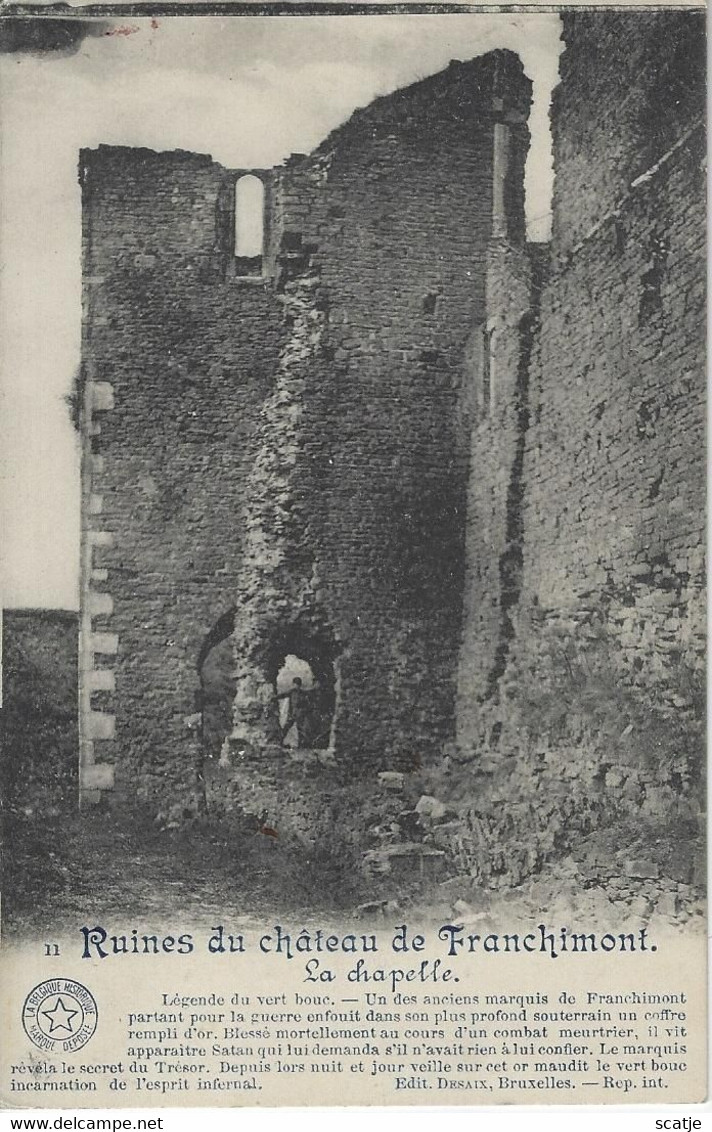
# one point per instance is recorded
(307, 653)
(261, 681)
(306, 724)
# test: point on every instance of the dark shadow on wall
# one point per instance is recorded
(216, 670)
(425, 566)
(512, 560)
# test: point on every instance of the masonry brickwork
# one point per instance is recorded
(178, 360)
(364, 441)
(461, 475)
(293, 445)
(592, 705)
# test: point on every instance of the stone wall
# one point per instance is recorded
(629, 89)
(365, 440)
(594, 722)
(500, 361)
(179, 354)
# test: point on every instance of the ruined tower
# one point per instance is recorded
(281, 442)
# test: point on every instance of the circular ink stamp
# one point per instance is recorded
(59, 1015)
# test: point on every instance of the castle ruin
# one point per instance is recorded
(459, 475)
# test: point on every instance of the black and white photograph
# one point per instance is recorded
(354, 485)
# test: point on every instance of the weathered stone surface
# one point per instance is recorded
(296, 448)
(583, 639)
(187, 354)
(461, 476)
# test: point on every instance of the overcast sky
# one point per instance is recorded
(249, 91)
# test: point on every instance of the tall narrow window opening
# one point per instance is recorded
(249, 225)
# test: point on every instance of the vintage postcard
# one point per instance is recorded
(354, 632)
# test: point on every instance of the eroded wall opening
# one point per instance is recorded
(301, 668)
(306, 705)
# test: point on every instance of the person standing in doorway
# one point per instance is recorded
(295, 710)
